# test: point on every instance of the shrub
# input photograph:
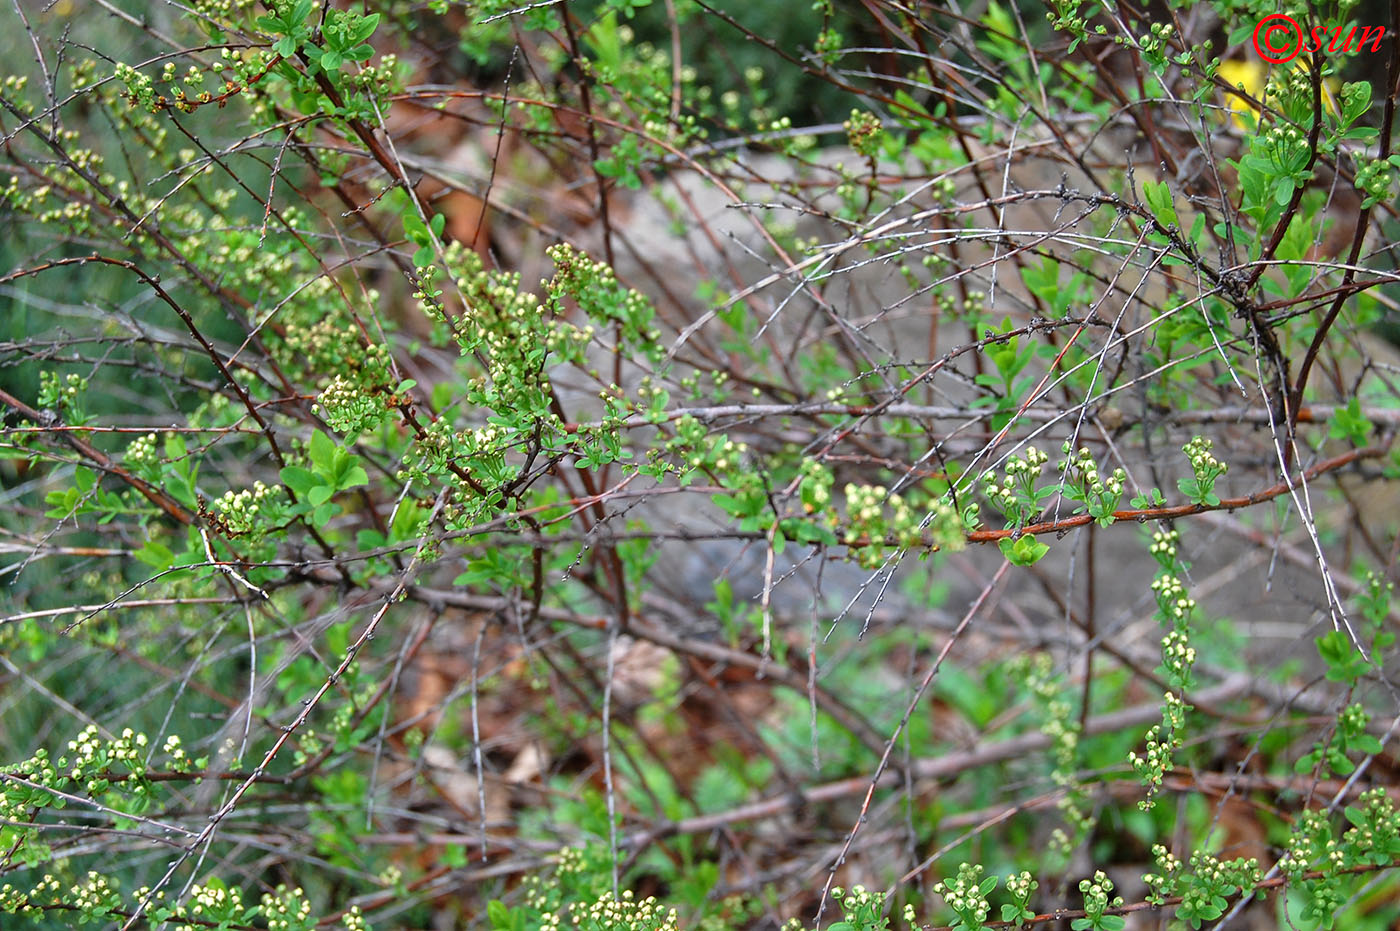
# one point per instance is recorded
(535, 466)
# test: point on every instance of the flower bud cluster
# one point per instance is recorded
(815, 489)
(624, 914)
(828, 45)
(964, 895)
(1178, 657)
(140, 88)
(865, 504)
(1016, 495)
(1155, 42)
(61, 393)
(1353, 719)
(863, 132)
(1162, 883)
(286, 910)
(1098, 493)
(1375, 596)
(1376, 830)
(595, 288)
(882, 518)
(1096, 896)
(1203, 463)
(1021, 885)
(434, 450)
(213, 902)
(1172, 600)
(96, 895)
(1163, 740)
(92, 754)
(1060, 724)
(46, 892)
(1287, 146)
(1163, 547)
(380, 79)
(1064, 16)
(17, 799)
(141, 457)
(179, 761)
(1174, 609)
(348, 408)
(1310, 846)
(1374, 179)
(251, 510)
(860, 907)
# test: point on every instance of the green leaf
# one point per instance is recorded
(1025, 550)
(299, 480)
(438, 223)
(321, 450)
(1196, 492)
(499, 915)
(66, 503)
(804, 531)
(1159, 201)
(1198, 229)
(175, 446)
(908, 112)
(156, 555)
(364, 28)
(178, 487)
(1349, 423)
(723, 605)
(1344, 663)
(1367, 744)
(350, 474)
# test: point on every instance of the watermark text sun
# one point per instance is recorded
(1278, 38)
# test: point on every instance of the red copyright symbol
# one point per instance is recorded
(1264, 34)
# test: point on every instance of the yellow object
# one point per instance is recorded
(1253, 76)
